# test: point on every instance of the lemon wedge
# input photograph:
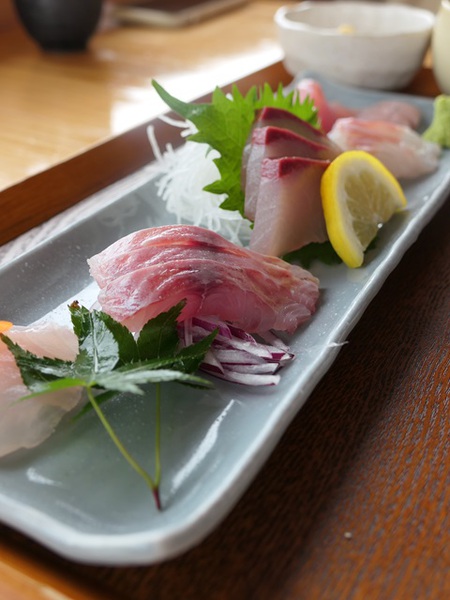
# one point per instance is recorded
(359, 194)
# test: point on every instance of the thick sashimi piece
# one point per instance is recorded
(403, 151)
(278, 117)
(274, 142)
(155, 246)
(215, 277)
(27, 423)
(289, 213)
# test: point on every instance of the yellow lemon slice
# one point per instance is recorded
(359, 194)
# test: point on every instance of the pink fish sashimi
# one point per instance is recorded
(215, 277)
(289, 213)
(274, 142)
(393, 111)
(277, 117)
(328, 112)
(27, 423)
(403, 151)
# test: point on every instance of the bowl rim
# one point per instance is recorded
(283, 21)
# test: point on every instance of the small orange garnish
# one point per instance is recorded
(5, 325)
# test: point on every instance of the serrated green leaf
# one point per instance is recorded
(46, 387)
(159, 337)
(225, 125)
(84, 324)
(109, 361)
(131, 380)
(37, 371)
(192, 356)
(304, 110)
(305, 256)
(98, 347)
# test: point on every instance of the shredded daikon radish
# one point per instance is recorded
(184, 172)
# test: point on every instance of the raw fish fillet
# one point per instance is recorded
(277, 117)
(289, 213)
(403, 151)
(393, 111)
(27, 423)
(274, 142)
(328, 112)
(149, 271)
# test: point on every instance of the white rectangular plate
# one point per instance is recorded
(76, 495)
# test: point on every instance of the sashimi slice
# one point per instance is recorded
(403, 151)
(328, 112)
(393, 111)
(278, 117)
(215, 277)
(156, 246)
(274, 142)
(28, 423)
(289, 213)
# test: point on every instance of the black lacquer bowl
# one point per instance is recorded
(60, 25)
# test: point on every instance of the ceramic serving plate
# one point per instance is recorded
(75, 494)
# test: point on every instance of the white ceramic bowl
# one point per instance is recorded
(366, 44)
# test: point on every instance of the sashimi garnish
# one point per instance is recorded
(103, 359)
(235, 355)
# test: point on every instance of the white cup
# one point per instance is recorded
(440, 47)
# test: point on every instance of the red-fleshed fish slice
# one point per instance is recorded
(215, 277)
(278, 117)
(289, 213)
(328, 112)
(28, 423)
(274, 142)
(403, 151)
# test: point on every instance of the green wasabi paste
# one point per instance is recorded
(439, 130)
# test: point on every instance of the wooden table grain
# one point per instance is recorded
(354, 501)
(63, 113)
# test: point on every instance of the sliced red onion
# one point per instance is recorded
(235, 355)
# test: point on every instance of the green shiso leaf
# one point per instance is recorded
(225, 124)
(306, 255)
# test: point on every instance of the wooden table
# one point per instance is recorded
(354, 501)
